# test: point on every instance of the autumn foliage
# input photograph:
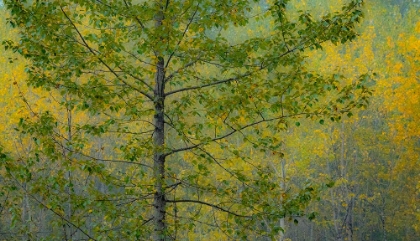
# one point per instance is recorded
(210, 120)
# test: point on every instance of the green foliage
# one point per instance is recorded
(159, 107)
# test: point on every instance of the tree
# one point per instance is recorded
(173, 99)
(375, 186)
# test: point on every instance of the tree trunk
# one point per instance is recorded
(283, 187)
(383, 220)
(159, 202)
(26, 215)
(69, 230)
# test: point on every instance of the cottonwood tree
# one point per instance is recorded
(172, 100)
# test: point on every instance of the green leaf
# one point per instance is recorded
(312, 216)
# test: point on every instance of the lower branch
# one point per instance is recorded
(210, 205)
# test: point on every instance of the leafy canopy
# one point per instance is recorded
(122, 69)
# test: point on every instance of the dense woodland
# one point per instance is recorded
(210, 120)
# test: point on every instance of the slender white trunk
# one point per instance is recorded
(282, 183)
(26, 215)
(69, 230)
(283, 187)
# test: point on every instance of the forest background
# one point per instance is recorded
(370, 160)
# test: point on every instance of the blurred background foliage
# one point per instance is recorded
(373, 158)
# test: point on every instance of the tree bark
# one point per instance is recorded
(283, 187)
(159, 202)
(68, 229)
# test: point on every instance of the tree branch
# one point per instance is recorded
(52, 210)
(210, 205)
(220, 137)
(99, 159)
(182, 37)
(100, 59)
(180, 69)
(237, 130)
(137, 19)
(209, 84)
